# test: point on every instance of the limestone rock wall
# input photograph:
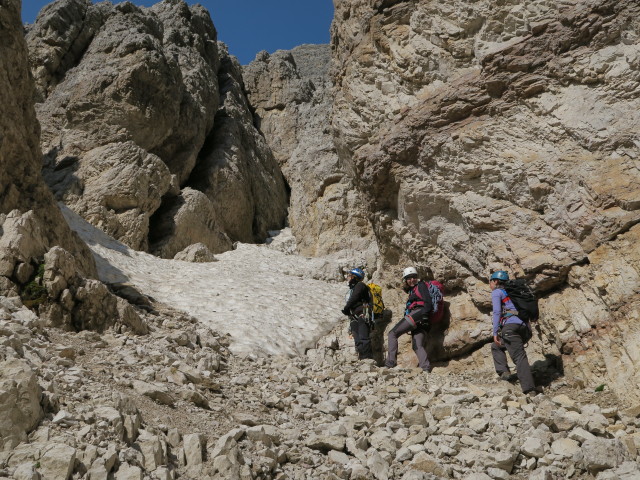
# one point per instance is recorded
(127, 97)
(237, 170)
(292, 97)
(30, 222)
(488, 136)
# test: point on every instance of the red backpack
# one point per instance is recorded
(436, 292)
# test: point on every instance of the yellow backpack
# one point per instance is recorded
(376, 297)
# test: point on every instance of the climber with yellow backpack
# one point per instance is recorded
(358, 309)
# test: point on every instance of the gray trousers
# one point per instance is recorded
(513, 339)
(417, 343)
(361, 337)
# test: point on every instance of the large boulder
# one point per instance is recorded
(184, 219)
(20, 409)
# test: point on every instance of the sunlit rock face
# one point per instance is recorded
(487, 136)
(292, 95)
(128, 97)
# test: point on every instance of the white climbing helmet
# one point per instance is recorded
(408, 271)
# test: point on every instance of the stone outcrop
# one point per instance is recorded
(41, 259)
(237, 171)
(127, 99)
(76, 303)
(489, 137)
(30, 222)
(292, 97)
(594, 322)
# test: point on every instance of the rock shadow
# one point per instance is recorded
(378, 336)
(546, 371)
(436, 335)
(162, 224)
(59, 174)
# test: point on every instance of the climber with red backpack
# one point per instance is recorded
(511, 332)
(421, 311)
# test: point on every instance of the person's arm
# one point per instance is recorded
(426, 297)
(496, 302)
(354, 298)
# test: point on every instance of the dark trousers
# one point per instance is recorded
(513, 339)
(418, 335)
(362, 337)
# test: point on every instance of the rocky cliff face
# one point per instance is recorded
(30, 222)
(492, 136)
(292, 97)
(127, 98)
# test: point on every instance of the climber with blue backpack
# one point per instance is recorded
(510, 333)
(417, 318)
(358, 309)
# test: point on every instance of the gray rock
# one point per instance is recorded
(197, 253)
(156, 391)
(377, 465)
(128, 472)
(428, 464)
(57, 461)
(26, 471)
(20, 409)
(601, 454)
(533, 447)
(194, 444)
(565, 447)
(325, 443)
(339, 458)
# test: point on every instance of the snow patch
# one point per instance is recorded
(265, 299)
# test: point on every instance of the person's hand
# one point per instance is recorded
(497, 341)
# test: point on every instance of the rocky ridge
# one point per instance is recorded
(135, 104)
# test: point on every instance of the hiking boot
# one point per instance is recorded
(506, 376)
(532, 393)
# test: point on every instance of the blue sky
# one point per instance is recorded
(248, 26)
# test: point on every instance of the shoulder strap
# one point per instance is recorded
(416, 290)
(506, 296)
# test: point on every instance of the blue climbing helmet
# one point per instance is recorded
(500, 275)
(358, 272)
